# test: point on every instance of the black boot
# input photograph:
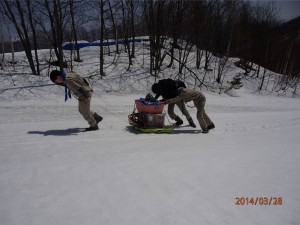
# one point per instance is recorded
(191, 122)
(91, 128)
(178, 121)
(97, 118)
(205, 131)
(211, 126)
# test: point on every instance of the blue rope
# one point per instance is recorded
(67, 90)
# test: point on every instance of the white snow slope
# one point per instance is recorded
(53, 174)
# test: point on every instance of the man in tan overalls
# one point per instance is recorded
(199, 100)
(81, 89)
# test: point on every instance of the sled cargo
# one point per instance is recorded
(148, 117)
(143, 106)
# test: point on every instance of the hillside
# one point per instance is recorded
(245, 171)
(119, 79)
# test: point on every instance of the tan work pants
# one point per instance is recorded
(181, 106)
(84, 110)
(202, 117)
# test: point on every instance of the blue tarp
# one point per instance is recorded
(145, 102)
(71, 46)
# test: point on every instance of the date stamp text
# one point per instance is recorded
(258, 200)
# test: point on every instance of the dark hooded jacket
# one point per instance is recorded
(169, 88)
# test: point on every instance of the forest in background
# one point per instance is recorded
(250, 31)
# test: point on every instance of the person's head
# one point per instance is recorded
(55, 77)
(156, 88)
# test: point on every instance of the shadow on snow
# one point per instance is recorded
(64, 132)
(133, 130)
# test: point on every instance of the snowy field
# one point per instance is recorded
(53, 174)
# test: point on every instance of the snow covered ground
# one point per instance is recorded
(51, 173)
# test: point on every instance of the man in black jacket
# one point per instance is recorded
(168, 89)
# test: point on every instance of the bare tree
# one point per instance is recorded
(58, 26)
(30, 11)
(112, 18)
(14, 10)
(208, 28)
(132, 7)
(297, 81)
(197, 13)
(183, 56)
(101, 15)
(74, 29)
(177, 11)
(2, 41)
(125, 25)
(53, 17)
(154, 15)
(227, 14)
(2, 50)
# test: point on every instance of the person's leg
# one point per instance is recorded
(208, 121)
(200, 103)
(182, 107)
(84, 110)
(97, 117)
(172, 114)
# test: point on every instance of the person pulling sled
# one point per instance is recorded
(82, 91)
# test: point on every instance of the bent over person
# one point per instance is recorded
(199, 100)
(168, 88)
(82, 91)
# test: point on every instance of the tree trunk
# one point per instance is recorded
(74, 30)
(34, 36)
(20, 28)
(101, 38)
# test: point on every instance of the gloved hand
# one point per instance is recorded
(85, 93)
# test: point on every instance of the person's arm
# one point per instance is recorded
(179, 97)
(72, 84)
(157, 96)
(86, 93)
(173, 100)
(77, 88)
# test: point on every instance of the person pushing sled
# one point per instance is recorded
(199, 100)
